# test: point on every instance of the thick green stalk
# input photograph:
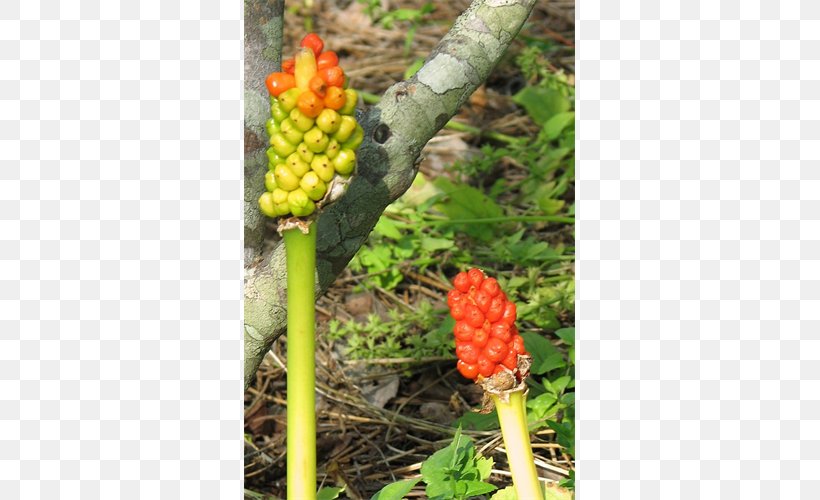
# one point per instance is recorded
(512, 415)
(300, 249)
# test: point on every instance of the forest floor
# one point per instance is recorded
(388, 392)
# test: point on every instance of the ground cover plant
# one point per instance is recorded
(495, 191)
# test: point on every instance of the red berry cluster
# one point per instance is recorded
(487, 341)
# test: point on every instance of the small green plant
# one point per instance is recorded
(455, 472)
(387, 18)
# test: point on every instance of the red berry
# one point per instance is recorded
(496, 309)
(457, 311)
(462, 282)
(485, 366)
(453, 296)
(490, 287)
(467, 370)
(482, 300)
(511, 361)
(509, 313)
(476, 277)
(496, 350)
(501, 331)
(518, 345)
(314, 43)
(463, 331)
(474, 316)
(327, 59)
(498, 369)
(480, 337)
(467, 352)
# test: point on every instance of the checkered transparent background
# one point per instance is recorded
(699, 241)
(120, 249)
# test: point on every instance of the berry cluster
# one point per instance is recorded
(487, 341)
(313, 133)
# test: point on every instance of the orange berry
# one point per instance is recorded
(279, 82)
(333, 76)
(289, 65)
(313, 42)
(318, 86)
(327, 59)
(310, 104)
(335, 98)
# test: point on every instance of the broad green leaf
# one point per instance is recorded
(397, 490)
(475, 488)
(466, 202)
(555, 125)
(567, 335)
(545, 356)
(541, 103)
(478, 421)
(560, 383)
(387, 228)
(555, 492)
(433, 244)
(507, 493)
(329, 493)
(484, 466)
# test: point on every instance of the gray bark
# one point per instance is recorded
(409, 114)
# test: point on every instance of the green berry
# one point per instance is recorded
(304, 152)
(351, 98)
(270, 181)
(285, 178)
(346, 129)
(355, 140)
(332, 148)
(313, 186)
(328, 121)
(282, 208)
(323, 167)
(316, 140)
(345, 162)
(302, 122)
(290, 131)
(273, 158)
(288, 99)
(271, 126)
(308, 209)
(276, 110)
(279, 196)
(282, 146)
(266, 204)
(297, 165)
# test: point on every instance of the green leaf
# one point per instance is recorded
(484, 466)
(560, 384)
(387, 228)
(478, 421)
(550, 206)
(475, 488)
(545, 357)
(507, 493)
(466, 202)
(567, 335)
(329, 493)
(433, 244)
(397, 490)
(555, 492)
(555, 125)
(541, 103)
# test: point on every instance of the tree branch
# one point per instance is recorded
(409, 114)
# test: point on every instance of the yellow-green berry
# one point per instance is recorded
(285, 178)
(276, 110)
(328, 121)
(323, 167)
(281, 146)
(316, 140)
(345, 162)
(351, 98)
(290, 131)
(266, 204)
(302, 122)
(288, 99)
(355, 140)
(304, 152)
(270, 181)
(313, 186)
(346, 129)
(297, 165)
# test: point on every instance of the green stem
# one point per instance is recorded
(512, 415)
(512, 218)
(369, 98)
(300, 249)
